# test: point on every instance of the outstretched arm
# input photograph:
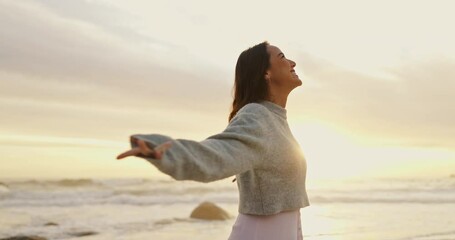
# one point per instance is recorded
(240, 147)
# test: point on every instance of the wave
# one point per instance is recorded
(75, 182)
(178, 191)
(141, 197)
(168, 221)
(434, 236)
(68, 192)
(4, 189)
(404, 199)
(64, 183)
(87, 182)
(77, 198)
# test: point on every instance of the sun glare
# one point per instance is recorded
(334, 154)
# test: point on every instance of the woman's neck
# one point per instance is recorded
(278, 100)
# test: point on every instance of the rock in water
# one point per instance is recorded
(83, 233)
(209, 211)
(51, 224)
(24, 238)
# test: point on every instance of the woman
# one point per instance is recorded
(257, 146)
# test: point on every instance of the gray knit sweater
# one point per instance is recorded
(257, 146)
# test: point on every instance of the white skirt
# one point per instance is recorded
(283, 226)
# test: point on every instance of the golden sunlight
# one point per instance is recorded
(333, 154)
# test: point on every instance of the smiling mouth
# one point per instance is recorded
(295, 74)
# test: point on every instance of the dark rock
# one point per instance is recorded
(209, 211)
(83, 233)
(24, 238)
(51, 224)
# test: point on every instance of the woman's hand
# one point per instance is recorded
(143, 149)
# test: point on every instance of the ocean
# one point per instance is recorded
(101, 209)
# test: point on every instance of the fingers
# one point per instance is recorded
(163, 147)
(132, 152)
(159, 151)
(142, 149)
(146, 151)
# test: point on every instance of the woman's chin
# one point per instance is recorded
(298, 84)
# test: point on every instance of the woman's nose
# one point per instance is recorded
(293, 64)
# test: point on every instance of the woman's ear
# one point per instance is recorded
(267, 76)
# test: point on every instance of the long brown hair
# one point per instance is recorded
(250, 84)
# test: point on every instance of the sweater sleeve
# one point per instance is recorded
(240, 147)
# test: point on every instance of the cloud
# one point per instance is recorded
(416, 106)
(50, 44)
(104, 15)
(89, 114)
(71, 74)
(90, 56)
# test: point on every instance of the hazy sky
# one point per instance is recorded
(77, 78)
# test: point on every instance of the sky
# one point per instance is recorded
(77, 78)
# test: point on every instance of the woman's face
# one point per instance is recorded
(281, 72)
